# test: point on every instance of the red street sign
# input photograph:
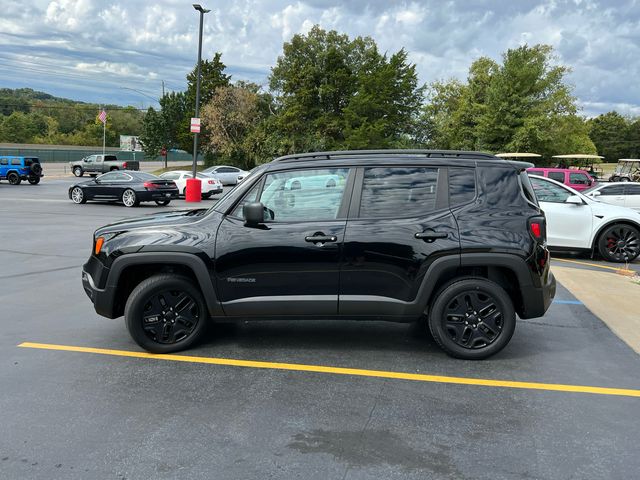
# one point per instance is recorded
(195, 125)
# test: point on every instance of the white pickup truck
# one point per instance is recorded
(96, 164)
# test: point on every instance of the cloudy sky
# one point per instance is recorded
(95, 50)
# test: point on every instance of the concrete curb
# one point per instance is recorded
(612, 297)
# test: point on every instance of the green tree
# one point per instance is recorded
(610, 133)
(231, 115)
(334, 92)
(153, 136)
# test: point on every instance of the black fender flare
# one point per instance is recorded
(189, 260)
(442, 266)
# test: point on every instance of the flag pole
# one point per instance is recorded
(104, 134)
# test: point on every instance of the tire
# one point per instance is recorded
(78, 172)
(93, 175)
(33, 180)
(14, 178)
(166, 313)
(113, 168)
(36, 169)
(614, 178)
(184, 192)
(619, 243)
(78, 196)
(624, 179)
(162, 203)
(207, 195)
(129, 198)
(458, 318)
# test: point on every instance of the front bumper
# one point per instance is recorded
(95, 285)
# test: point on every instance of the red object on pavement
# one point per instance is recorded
(194, 190)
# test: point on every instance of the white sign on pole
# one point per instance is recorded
(195, 125)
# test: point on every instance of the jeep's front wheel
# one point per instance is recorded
(166, 313)
(78, 172)
(472, 318)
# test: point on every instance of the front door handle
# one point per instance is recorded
(320, 238)
(430, 235)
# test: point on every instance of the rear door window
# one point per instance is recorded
(16, 161)
(612, 190)
(398, 192)
(557, 176)
(632, 189)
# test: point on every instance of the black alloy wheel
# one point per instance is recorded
(166, 313)
(33, 180)
(472, 318)
(619, 243)
(14, 178)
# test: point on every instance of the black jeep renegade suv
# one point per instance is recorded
(454, 237)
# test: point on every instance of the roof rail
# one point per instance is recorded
(416, 152)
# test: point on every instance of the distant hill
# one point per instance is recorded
(31, 116)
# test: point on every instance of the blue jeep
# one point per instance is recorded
(16, 169)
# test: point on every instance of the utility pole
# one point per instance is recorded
(193, 184)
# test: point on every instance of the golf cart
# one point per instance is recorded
(582, 161)
(627, 170)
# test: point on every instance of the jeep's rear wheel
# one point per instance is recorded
(619, 243)
(33, 180)
(472, 318)
(14, 178)
(166, 313)
(78, 172)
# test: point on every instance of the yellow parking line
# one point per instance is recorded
(296, 367)
(615, 269)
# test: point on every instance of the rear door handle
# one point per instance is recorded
(430, 236)
(320, 238)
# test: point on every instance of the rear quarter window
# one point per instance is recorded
(462, 185)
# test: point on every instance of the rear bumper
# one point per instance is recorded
(537, 300)
(152, 195)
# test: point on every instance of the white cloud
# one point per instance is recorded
(137, 42)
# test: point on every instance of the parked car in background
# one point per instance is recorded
(379, 235)
(125, 186)
(623, 194)
(209, 185)
(627, 170)
(577, 179)
(576, 222)
(16, 169)
(96, 164)
(226, 174)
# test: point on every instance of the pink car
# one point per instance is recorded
(576, 179)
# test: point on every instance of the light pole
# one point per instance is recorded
(193, 193)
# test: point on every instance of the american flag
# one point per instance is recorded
(103, 116)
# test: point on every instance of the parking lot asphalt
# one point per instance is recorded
(82, 414)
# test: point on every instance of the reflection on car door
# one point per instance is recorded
(290, 264)
(399, 222)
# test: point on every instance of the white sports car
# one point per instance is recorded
(579, 223)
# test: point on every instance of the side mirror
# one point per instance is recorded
(574, 200)
(253, 214)
(597, 193)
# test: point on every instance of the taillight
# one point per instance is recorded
(537, 228)
(124, 165)
(212, 182)
(150, 185)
